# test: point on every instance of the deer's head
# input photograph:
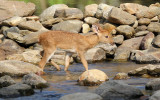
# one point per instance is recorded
(104, 35)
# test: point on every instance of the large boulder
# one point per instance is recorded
(152, 70)
(34, 81)
(126, 30)
(114, 90)
(123, 51)
(16, 90)
(118, 16)
(17, 68)
(92, 77)
(49, 13)
(15, 8)
(146, 56)
(69, 26)
(81, 96)
(132, 8)
(155, 96)
(153, 84)
(90, 10)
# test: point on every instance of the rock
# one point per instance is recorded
(132, 8)
(15, 8)
(121, 76)
(30, 56)
(152, 70)
(141, 33)
(114, 90)
(17, 68)
(90, 10)
(108, 26)
(149, 12)
(109, 49)
(69, 26)
(146, 41)
(150, 55)
(155, 19)
(2, 55)
(92, 77)
(154, 84)
(48, 13)
(119, 16)
(6, 81)
(103, 10)
(33, 37)
(14, 21)
(123, 51)
(34, 81)
(16, 90)
(144, 21)
(10, 30)
(10, 47)
(73, 13)
(156, 41)
(91, 20)
(155, 96)
(85, 28)
(95, 54)
(126, 30)
(30, 25)
(135, 25)
(50, 22)
(81, 96)
(118, 39)
(141, 28)
(154, 27)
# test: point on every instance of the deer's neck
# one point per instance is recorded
(93, 40)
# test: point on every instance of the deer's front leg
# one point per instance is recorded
(83, 60)
(67, 61)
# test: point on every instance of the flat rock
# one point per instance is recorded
(17, 68)
(154, 27)
(153, 84)
(6, 81)
(90, 10)
(156, 41)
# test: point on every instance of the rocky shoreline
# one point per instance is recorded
(136, 38)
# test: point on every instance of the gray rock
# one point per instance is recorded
(126, 30)
(144, 21)
(15, 8)
(81, 96)
(6, 30)
(103, 8)
(73, 13)
(154, 27)
(16, 90)
(153, 84)
(50, 22)
(6, 81)
(91, 20)
(150, 55)
(90, 10)
(155, 96)
(156, 41)
(17, 68)
(48, 13)
(132, 8)
(118, 39)
(31, 25)
(123, 51)
(152, 70)
(118, 16)
(69, 26)
(121, 76)
(149, 12)
(34, 81)
(141, 28)
(141, 33)
(10, 47)
(146, 41)
(112, 90)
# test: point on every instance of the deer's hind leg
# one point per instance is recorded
(46, 56)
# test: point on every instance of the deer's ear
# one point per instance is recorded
(95, 29)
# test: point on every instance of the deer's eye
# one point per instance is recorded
(106, 36)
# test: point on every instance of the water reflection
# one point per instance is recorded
(43, 4)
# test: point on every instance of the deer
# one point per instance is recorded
(51, 40)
